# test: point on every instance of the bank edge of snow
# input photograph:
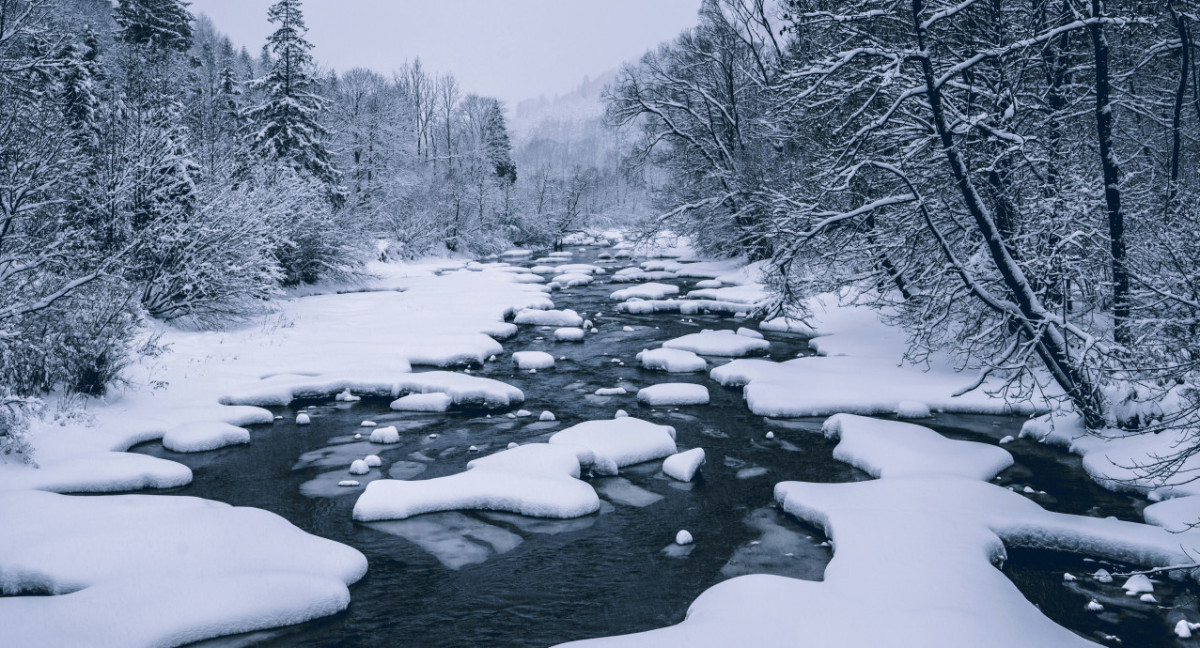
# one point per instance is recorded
(314, 346)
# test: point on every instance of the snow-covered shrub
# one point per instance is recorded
(15, 413)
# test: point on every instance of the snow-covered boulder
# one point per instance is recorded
(385, 435)
(533, 360)
(683, 466)
(548, 317)
(671, 360)
(673, 394)
(569, 334)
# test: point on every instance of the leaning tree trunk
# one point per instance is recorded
(1034, 319)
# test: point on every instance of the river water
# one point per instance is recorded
(472, 578)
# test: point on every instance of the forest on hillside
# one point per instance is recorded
(153, 171)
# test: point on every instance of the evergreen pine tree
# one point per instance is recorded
(286, 126)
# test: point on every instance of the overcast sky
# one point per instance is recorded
(511, 49)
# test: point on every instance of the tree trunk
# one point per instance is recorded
(1112, 181)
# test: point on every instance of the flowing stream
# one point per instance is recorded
(474, 578)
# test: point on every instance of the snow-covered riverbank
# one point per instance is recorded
(915, 549)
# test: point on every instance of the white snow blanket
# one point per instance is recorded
(619, 442)
(718, 343)
(146, 570)
(673, 394)
(671, 360)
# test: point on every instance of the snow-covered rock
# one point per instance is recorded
(683, 466)
(373, 461)
(385, 435)
(548, 317)
(569, 334)
(359, 467)
(533, 360)
(673, 394)
(651, 290)
(619, 442)
(303, 419)
(683, 537)
(672, 360)
(546, 416)
(536, 479)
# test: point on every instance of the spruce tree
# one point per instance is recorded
(285, 127)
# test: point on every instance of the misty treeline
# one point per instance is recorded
(1014, 180)
(148, 169)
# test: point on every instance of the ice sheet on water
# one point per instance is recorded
(622, 491)
(781, 549)
(405, 469)
(335, 456)
(328, 484)
(456, 540)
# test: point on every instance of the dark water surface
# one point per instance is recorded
(470, 578)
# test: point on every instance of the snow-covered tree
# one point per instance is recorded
(286, 126)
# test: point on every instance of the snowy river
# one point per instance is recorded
(475, 578)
